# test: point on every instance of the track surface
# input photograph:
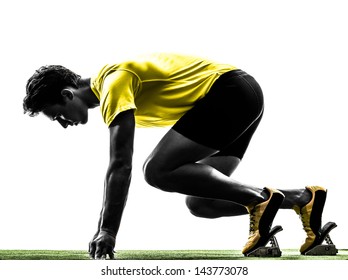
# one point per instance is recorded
(287, 254)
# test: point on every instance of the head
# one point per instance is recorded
(53, 90)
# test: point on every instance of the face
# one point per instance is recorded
(73, 112)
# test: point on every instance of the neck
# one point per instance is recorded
(86, 93)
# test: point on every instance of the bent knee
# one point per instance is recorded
(156, 176)
(192, 205)
(200, 207)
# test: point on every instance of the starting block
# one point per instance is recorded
(270, 251)
(324, 250)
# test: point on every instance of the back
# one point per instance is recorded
(160, 87)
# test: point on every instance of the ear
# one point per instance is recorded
(67, 93)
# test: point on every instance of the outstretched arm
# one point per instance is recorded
(116, 185)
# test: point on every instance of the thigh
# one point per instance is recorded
(175, 150)
(225, 164)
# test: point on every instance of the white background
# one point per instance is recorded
(51, 181)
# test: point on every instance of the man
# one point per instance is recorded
(213, 109)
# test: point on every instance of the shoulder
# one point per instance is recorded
(121, 79)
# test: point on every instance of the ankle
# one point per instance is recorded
(265, 194)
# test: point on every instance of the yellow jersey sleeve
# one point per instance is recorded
(117, 94)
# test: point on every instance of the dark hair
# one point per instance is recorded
(44, 88)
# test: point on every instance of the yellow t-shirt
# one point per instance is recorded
(159, 87)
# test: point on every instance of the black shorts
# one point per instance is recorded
(226, 118)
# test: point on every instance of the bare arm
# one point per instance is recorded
(116, 184)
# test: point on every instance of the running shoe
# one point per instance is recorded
(261, 219)
(310, 215)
